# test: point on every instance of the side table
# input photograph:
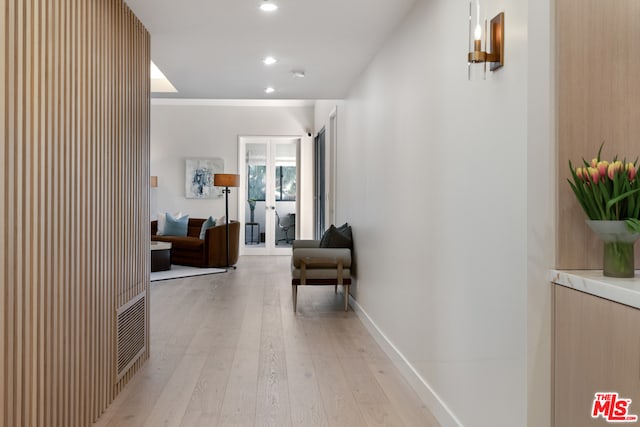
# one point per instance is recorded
(160, 256)
(252, 240)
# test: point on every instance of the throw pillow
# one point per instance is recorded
(346, 230)
(221, 220)
(334, 238)
(162, 221)
(176, 226)
(210, 222)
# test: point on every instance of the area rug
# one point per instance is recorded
(179, 271)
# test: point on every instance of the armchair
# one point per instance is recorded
(313, 265)
(285, 227)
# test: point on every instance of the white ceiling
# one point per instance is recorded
(213, 48)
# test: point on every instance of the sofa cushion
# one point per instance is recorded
(176, 226)
(335, 238)
(210, 222)
(162, 221)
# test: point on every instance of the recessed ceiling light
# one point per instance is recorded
(269, 89)
(300, 74)
(269, 60)
(267, 6)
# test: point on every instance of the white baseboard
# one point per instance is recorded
(438, 408)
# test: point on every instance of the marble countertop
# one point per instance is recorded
(624, 291)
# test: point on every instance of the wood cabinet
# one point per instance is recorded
(597, 349)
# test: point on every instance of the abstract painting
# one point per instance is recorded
(199, 178)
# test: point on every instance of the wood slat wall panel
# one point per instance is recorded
(74, 86)
(598, 60)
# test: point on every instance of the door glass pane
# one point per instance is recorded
(256, 158)
(285, 192)
(257, 182)
(286, 183)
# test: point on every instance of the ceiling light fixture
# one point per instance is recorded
(269, 89)
(299, 74)
(269, 60)
(267, 6)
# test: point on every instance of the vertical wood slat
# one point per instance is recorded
(598, 61)
(74, 86)
(4, 279)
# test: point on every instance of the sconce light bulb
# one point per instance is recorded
(478, 32)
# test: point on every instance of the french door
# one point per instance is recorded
(268, 196)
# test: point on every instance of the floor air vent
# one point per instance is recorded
(131, 333)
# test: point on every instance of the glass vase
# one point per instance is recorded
(618, 253)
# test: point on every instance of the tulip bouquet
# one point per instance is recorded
(608, 190)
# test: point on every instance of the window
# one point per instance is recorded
(285, 183)
(257, 182)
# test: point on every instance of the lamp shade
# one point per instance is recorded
(226, 180)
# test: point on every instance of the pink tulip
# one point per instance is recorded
(602, 168)
(594, 174)
(632, 171)
(580, 174)
(594, 162)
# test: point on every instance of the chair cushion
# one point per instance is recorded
(337, 237)
(330, 255)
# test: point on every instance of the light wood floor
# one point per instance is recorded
(227, 350)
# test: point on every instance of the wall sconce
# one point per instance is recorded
(153, 182)
(493, 52)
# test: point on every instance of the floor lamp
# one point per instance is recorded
(226, 180)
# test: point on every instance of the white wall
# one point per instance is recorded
(541, 196)
(434, 178)
(184, 129)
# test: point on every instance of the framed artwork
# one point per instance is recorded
(199, 178)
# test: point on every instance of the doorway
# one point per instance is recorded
(269, 194)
